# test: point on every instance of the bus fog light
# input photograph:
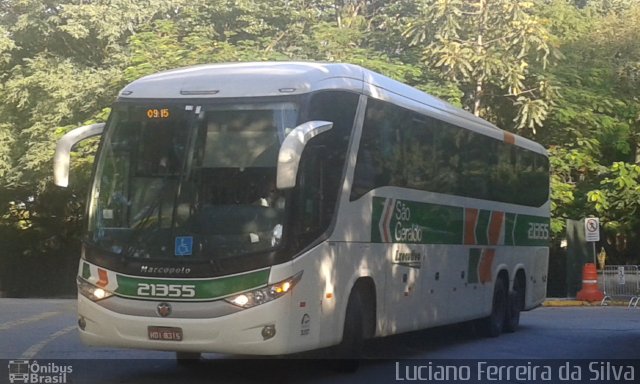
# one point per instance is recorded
(268, 331)
(82, 323)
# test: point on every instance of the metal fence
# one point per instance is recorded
(620, 282)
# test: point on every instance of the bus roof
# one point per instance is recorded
(258, 79)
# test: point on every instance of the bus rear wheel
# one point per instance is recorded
(515, 305)
(493, 325)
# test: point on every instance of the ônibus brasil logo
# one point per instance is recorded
(30, 372)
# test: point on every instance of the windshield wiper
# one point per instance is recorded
(141, 232)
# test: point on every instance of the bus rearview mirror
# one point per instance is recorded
(62, 157)
(291, 151)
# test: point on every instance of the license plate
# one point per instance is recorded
(165, 333)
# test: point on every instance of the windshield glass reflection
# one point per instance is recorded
(178, 184)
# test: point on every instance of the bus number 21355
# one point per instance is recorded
(166, 290)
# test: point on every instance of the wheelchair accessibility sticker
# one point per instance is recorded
(184, 246)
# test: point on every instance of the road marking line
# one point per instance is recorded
(36, 348)
(27, 320)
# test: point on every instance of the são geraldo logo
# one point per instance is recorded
(396, 224)
(31, 372)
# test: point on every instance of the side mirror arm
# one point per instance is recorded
(62, 158)
(291, 151)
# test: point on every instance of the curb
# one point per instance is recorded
(569, 303)
(581, 303)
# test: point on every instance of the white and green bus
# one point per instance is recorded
(274, 208)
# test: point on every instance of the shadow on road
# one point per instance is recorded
(378, 366)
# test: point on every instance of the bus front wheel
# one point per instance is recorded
(349, 351)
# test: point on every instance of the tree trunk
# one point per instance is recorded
(477, 103)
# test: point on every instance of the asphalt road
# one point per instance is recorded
(44, 331)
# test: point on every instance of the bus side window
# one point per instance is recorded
(447, 146)
(504, 178)
(381, 154)
(533, 172)
(479, 153)
(420, 154)
(322, 164)
(312, 189)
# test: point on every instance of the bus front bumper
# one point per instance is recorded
(245, 332)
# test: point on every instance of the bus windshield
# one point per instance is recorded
(190, 182)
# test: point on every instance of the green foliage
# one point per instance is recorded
(561, 71)
(496, 51)
(44, 94)
(618, 199)
(573, 172)
(593, 129)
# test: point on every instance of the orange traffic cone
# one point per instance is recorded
(590, 291)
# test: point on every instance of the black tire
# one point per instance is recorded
(514, 306)
(493, 325)
(349, 351)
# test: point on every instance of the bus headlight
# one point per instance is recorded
(91, 291)
(265, 294)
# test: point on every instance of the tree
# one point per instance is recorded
(496, 51)
(61, 64)
(592, 132)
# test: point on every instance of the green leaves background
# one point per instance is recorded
(562, 72)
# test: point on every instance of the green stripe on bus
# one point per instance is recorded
(417, 223)
(531, 230)
(205, 289)
(482, 227)
(424, 223)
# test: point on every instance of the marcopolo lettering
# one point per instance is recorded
(166, 270)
